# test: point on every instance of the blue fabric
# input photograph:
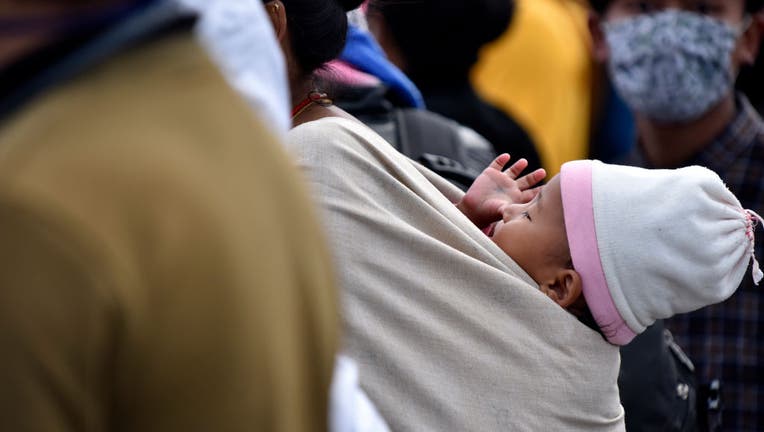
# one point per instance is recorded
(619, 131)
(365, 54)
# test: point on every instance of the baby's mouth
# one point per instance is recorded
(490, 230)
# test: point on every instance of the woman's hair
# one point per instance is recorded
(751, 6)
(317, 29)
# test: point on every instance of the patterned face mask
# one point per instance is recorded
(673, 66)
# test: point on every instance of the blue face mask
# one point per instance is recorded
(673, 66)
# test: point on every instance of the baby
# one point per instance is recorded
(619, 247)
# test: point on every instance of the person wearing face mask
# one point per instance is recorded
(674, 63)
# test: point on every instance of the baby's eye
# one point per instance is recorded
(526, 215)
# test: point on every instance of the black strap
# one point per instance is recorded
(423, 136)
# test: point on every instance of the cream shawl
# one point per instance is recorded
(450, 334)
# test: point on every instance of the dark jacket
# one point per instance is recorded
(461, 103)
(455, 152)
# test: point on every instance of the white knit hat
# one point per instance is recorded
(650, 244)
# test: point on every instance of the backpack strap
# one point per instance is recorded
(449, 149)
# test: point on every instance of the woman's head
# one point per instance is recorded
(316, 29)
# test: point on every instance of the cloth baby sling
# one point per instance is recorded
(449, 333)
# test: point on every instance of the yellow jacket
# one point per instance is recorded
(540, 72)
(160, 269)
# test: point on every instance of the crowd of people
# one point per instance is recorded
(381, 215)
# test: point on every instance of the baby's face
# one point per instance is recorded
(533, 234)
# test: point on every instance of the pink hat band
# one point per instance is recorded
(578, 209)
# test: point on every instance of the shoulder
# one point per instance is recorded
(167, 87)
(330, 128)
(333, 138)
(163, 100)
(760, 132)
(749, 130)
(148, 135)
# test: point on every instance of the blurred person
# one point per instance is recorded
(161, 269)
(363, 52)
(242, 43)
(365, 84)
(449, 333)
(540, 72)
(436, 44)
(613, 128)
(674, 63)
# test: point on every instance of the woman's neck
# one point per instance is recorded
(300, 87)
(300, 90)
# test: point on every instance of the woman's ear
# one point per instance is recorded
(565, 288)
(277, 14)
(600, 49)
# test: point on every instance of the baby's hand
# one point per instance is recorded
(494, 188)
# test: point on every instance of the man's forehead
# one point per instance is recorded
(678, 3)
(695, 5)
(730, 11)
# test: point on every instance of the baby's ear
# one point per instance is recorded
(565, 288)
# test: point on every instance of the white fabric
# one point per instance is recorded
(756, 273)
(682, 249)
(357, 17)
(350, 410)
(240, 39)
(449, 333)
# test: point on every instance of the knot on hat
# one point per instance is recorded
(752, 221)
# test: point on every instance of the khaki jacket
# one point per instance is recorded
(160, 269)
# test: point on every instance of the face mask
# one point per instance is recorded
(672, 66)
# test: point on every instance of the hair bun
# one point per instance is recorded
(349, 5)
